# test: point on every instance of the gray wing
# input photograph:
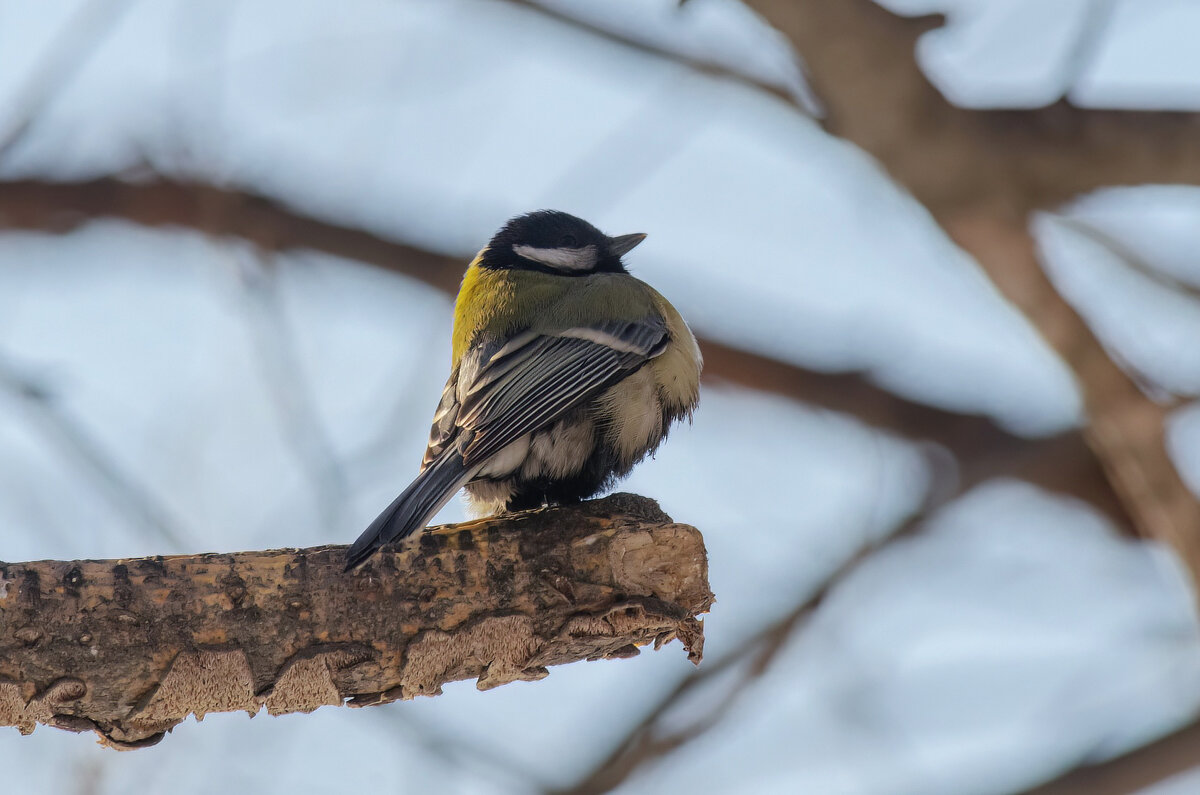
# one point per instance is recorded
(531, 380)
(443, 422)
(497, 395)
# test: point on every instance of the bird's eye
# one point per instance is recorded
(568, 241)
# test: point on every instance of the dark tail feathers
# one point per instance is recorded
(413, 509)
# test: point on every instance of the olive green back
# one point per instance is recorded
(495, 304)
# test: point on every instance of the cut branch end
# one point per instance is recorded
(129, 648)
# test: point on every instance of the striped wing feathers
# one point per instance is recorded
(505, 391)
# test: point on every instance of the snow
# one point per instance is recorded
(241, 402)
(723, 33)
(844, 266)
(1158, 223)
(1184, 783)
(1134, 54)
(1124, 257)
(38, 521)
(1032, 635)
(193, 416)
(771, 553)
(324, 110)
(329, 750)
(1183, 444)
(1150, 324)
(1012, 54)
(935, 659)
(145, 339)
(1149, 61)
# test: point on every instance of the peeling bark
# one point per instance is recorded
(129, 648)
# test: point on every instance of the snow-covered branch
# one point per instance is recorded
(1062, 464)
(981, 175)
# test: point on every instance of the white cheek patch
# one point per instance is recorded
(563, 259)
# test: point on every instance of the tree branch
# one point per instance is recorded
(861, 60)
(1135, 771)
(60, 207)
(981, 174)
(1125, 428)
(798, 94)
(1062, 463)
(129, 648)
(87, 28)
(660, 731)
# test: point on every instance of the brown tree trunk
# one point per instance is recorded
(129, 648)
(980, 175)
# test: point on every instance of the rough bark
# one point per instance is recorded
(129, 648)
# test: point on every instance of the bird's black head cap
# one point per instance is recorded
(555, 242)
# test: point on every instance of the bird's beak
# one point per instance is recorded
(623, 244)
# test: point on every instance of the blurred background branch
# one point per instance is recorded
(86, 29)
(36, 397)
(981, 175)
(698, 106)
(983, 450)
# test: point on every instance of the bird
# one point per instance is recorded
(566, 371)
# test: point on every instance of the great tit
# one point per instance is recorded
(565, 372)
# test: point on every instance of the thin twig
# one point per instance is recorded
(458, 751)
(86, 30)
(1135, 771)
(647, 742)
(801, 96)
(291, 393)
(1061, 463)
(125, 491)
